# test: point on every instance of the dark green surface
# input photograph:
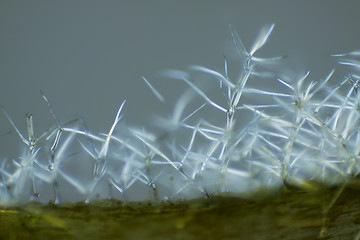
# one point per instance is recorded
(332, 213)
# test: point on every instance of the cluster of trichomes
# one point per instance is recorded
(307, 133)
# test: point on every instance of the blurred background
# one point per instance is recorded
(88, 56)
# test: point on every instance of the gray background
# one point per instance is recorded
(89, 56)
